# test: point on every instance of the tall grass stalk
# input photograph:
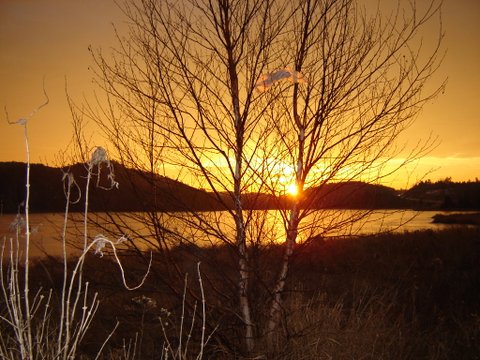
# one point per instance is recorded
(20, 311)
(181, 352)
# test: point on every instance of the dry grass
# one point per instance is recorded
(405, 296)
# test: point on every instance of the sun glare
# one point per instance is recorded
(292, 189)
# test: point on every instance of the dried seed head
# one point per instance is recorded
(122, 239)
(99, 156)
(165, 312)
(100, 242)
(69, 184)
(18, 223)
(145, 302)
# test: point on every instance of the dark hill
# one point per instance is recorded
(354, 195)
(446, 195)
(137, 191)
(46, 187)
(143, 191)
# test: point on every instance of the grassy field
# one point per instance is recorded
(396, 296)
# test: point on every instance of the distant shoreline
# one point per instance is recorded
(458, 218)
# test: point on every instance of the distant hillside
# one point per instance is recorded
(445, 195)
(138, 191)
(46, 187)
(355, 195)
(142, 191)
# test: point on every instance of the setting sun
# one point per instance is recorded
(292, 189)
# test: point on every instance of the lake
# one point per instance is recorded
(46, 228)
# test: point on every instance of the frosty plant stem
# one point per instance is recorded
(69, 179)
(71, 340)
(27, 244)
(29, 329)
(181, 351)
(22, 317)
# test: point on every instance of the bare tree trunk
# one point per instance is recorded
(239, 127)
(243, 284)
(292, 228)
(276, 307)
(239, 222)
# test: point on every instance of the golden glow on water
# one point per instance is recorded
(46, 228)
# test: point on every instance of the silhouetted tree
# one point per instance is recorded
(251, 95)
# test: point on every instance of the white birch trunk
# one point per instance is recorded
(244, 271)
(291, 238)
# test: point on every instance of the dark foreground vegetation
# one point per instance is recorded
(394, 296)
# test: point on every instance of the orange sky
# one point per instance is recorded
(49, 38)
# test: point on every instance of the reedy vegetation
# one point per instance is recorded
(30, 327)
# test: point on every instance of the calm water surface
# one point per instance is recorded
(46, 229)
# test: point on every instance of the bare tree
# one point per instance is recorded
(232, 93)
(366, 84)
